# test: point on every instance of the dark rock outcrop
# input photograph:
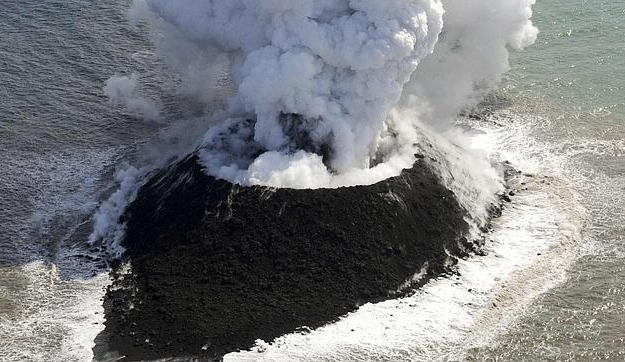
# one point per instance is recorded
(215, 266)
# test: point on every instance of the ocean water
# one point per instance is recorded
(59, 144)
(550, 288)
(568, 91)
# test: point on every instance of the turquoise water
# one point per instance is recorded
(570, 87)
(578, 62)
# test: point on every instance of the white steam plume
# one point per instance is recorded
(470, 57)
(106, 220)
(347, 68)
(468, 62)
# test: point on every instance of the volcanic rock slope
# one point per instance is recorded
(214, 266)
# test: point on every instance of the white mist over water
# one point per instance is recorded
(123, 90)
(351, 69)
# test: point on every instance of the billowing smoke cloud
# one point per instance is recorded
(320, 87)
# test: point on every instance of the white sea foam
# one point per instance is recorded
(50, 309)
(55, 319)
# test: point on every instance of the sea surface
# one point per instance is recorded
(568, 92)
(550, 288)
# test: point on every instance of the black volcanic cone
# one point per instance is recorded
(215, 266)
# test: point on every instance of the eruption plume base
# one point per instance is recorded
(348, 67)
